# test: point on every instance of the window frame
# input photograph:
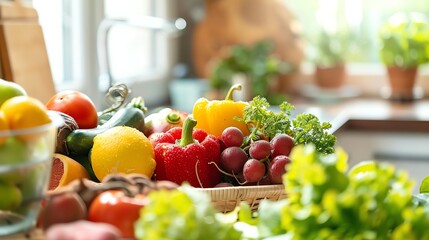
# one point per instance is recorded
(80, 21)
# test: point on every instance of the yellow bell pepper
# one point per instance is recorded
(216, 115)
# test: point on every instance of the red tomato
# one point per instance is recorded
(115, 208)
(77, 105)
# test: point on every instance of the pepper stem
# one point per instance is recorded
(188, 128)
(231, 91)
(172, 118)
(138, 102)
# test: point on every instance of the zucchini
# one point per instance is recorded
(136, 102)
(103, 118)
(80, 141)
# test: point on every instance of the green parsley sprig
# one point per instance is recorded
(308, 129)
(305, 128)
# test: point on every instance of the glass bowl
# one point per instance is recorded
(25, 166)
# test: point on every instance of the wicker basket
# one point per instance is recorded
(225, 199)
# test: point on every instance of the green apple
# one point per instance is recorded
(10, 89)
(13, 151)
(34, 183)
(11, 197)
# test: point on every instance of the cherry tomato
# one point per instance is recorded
(114, 207)
(77, 105)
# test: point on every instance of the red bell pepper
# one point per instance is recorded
(187, 159)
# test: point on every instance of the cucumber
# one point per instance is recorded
(80, 141)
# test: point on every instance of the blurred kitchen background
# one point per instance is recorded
(93, 44)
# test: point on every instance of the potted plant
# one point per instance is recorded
(255, 67)
(404, 47)
(329, 59)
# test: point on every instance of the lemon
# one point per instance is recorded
(24, 112)
(122, 149)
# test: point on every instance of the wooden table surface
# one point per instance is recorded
(34, 234)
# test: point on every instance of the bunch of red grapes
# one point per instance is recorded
(257, 162)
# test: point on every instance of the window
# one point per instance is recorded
(126, 61)
(360, 19)
(136, 54)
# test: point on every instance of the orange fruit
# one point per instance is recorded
(124, 150)
(64, 170)
(24, 112)
(3, 128)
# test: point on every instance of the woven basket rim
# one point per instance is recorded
(244, 192)
(226, 199)
(249, 188)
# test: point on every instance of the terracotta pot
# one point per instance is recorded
(330, 77)
(286, 83)
(402, 82)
